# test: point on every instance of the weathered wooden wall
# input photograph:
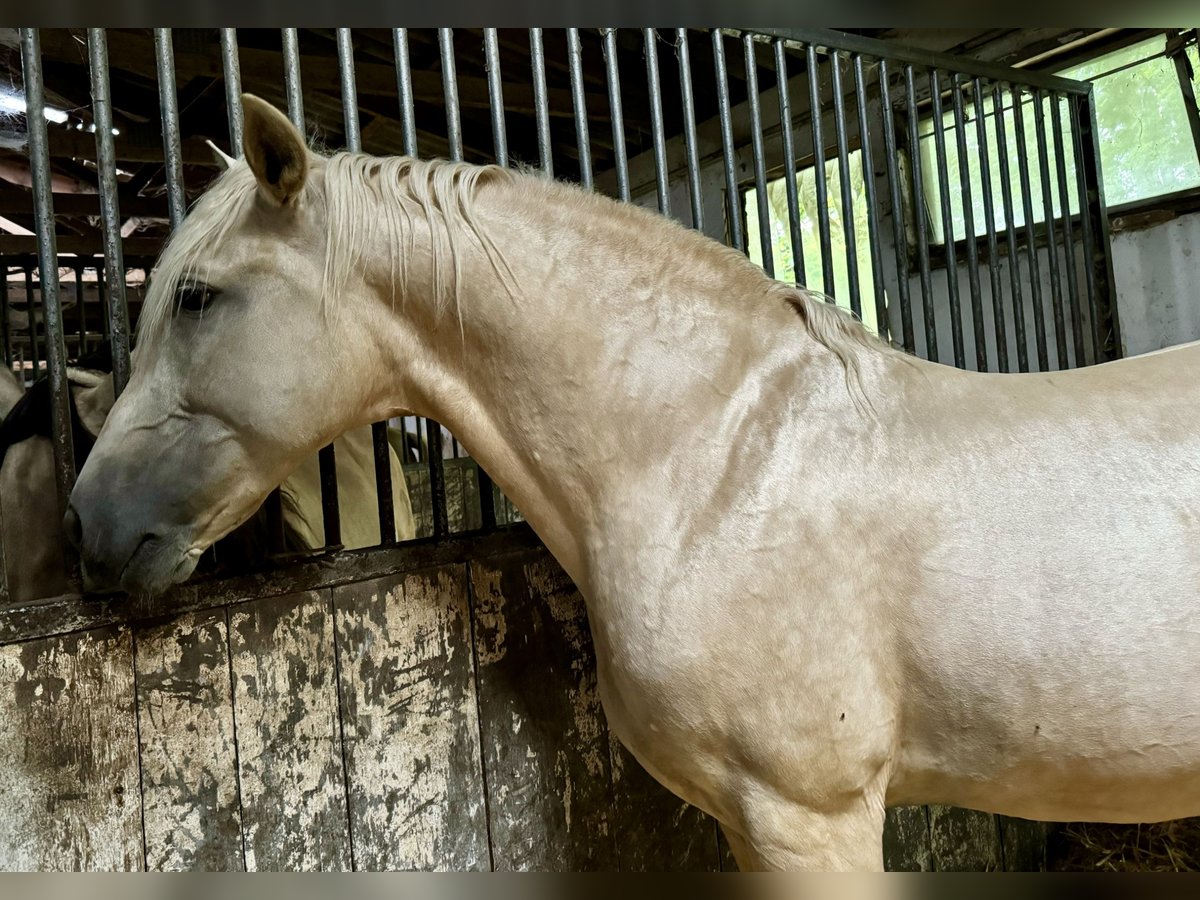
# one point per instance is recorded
(442, 717)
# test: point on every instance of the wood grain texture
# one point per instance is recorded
(545, 741)
(68, 754)
(653, 829)
(288, 734)
(963, 840)
(906, 839)
(189, 762)
(411, 723)
(1024, 844)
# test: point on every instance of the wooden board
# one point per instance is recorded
(963, 840)
(288, 734)
(545, 741)
(653, 829)
(189, 762)
(68, 754)
(1024, 844)
(411, 724)
(906, 839)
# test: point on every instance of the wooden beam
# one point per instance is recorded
(14, 200)
(81, 245)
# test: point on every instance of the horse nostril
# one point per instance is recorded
(74, 527)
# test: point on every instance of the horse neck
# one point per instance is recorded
(628, 342)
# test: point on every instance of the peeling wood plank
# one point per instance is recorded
(906, 840)
(411, 724)
(654, 830)
(68, 755)
(288, 739)
(544, 736)
(189, 765)
(963, 840)
(1024, 844)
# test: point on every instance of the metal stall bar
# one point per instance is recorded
(654, 85)
(1056, 300)
(684, 56)
(868, 167)
(943, 179)
(579, 102)
(1064, 198)
(733, 199)
(968, 206)
(168, 105)
(5, 334)
(1099, 258)
(331, 518)
(919, 213)
(233, 87)
(537, 60)
(818, 148)
(989, 214)
(1010, 229)
(433, 430)
(487, 502)
(491, 55)
(618, 117)
(31, 308)
(43, 213)
(106, 165)
(899, 241)
(1035, 275)
(379, 435)
(760, 164)
(1176, 49)
(843, 152)
(79, 306)
(789, 160)
(1085, 228)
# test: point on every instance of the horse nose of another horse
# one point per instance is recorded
(74, 527)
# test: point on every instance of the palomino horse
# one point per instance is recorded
(822, 576)
(32, 529)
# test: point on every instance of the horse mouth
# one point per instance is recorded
(152, 567)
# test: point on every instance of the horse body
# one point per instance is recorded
(821, 576)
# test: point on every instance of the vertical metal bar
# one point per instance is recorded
(31, 312)
(331, 518)
(760, 164)
(579, 101)
(110, 216)
(868, 166)
(291, 77)
(899, 241)
(79, 303)
(918, 191)
(1106, 323)
(43, 212)
(1035, 275)
(433, 442)
(1064, 196)
(818, 146)
(169, 109)
(233, 87)
(989, 214)
(684, 55)
(5, 334)
(408, 122)
(487, 504)
(789, 160)
(379, 440)
(943, 177)
(968, 205)
(657, 130)
(1184, 74)
(733, 198)
(1014, 263)
(1056, 300)
(491, 55)
(843, 151)
(613, 74)
(102, 294)
(541, 108)
(1085, 227)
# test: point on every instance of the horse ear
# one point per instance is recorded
(274, 149)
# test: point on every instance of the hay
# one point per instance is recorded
(1092, 847)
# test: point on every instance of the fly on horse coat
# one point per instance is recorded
(822, 576)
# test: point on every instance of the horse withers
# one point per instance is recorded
(822, 576)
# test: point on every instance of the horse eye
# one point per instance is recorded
(192, 298)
